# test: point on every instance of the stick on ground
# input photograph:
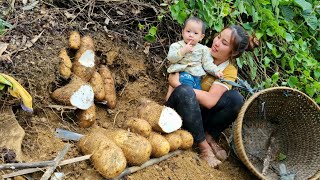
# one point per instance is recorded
(31, 170)
(56, 160)
(146, 164)
(266, 161)
(13, 166)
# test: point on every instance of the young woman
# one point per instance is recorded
(207, 112)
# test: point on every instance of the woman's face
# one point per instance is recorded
(221, 47)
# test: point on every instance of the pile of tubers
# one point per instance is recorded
(115, 148)
(89, 81)
(153, 133)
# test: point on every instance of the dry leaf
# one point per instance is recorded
(3, 47)
(69, 16)
(136, 11)
(120, 13)
(105, 29)
(146, 48)
(30, 6)
(107, 21)
(12, 3)
(23, 41)
(111, 37)
(33, 40)
(6, 58)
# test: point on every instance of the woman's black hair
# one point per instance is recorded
(241, 41)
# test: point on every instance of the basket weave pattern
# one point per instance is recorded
(277, 121)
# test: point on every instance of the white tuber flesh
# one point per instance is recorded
(169, 120)
(83, 97)
(87, 59)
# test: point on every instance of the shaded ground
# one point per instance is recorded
(136, 73)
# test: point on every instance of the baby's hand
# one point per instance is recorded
(219, 74)
(190, 64)
(187, 48)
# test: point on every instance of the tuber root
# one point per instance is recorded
(136, 148)
(98, 86)
(109, 86)
(174, 140)
(87, 117)
(108, 159)
(77, 93)
(74, 40)
(161, 118)
(186, 137)
(65, 64)
(160, 146)
(139, 126)
(84, 63)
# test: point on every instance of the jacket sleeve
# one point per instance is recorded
(207, 62)
(174, 54)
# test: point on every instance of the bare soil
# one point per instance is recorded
(136, 73)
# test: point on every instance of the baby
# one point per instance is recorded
(190, 58)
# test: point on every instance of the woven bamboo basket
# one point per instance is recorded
(279, 126)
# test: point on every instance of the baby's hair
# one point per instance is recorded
(198, 20)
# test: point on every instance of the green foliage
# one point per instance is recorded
(288, 31)
(4, 25)
(281, 157)
(151, 36)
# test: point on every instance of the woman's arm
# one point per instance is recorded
(207, 99)
(210, 99)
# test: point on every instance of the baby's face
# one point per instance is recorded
(192, 32)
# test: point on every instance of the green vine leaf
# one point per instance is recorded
(317, 73)
(310, 90)
(275, 77)
(225, 10)
(267, 61)
(5, 24)
(303, 4)
(287, 12)
(311, 19)
(289, 38)
(292, 81)
(151, 36)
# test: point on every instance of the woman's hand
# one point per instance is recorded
(173, 80)
(210, 99)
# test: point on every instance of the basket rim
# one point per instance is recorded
(237, 131)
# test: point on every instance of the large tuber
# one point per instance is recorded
(108, 159)
(84, 63)
(77, 93)
(109, 86)
(161, 118)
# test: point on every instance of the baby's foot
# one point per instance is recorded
(220, 153)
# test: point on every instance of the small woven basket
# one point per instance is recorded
(279, 126)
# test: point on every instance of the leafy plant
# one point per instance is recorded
(288, 30)
(151, 36)
(3, 25)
